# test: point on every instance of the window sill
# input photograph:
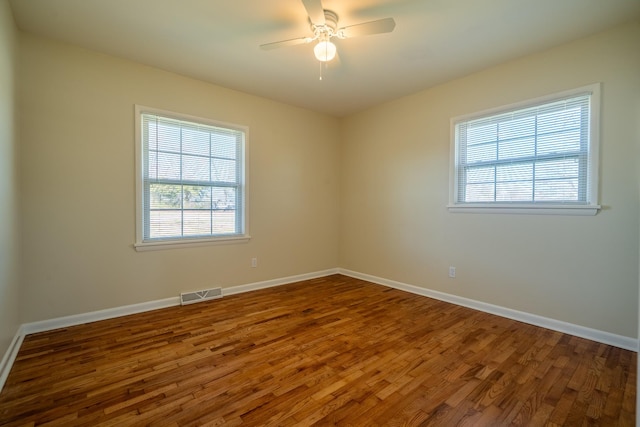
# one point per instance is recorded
(192, 243)
(582, 210)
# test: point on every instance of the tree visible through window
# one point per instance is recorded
(192, 178)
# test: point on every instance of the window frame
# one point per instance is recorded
(590, 207)
(181, 242)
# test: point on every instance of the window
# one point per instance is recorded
(191, 186)
(534, 157)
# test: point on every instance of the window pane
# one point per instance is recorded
(562, 168)
(195, 141)
(163, 196)
(559, 121)
(225, 145)
(481, 153)
(152, 165)
(150, 134)
(168, 166)
(514, 191)
(568, 141)
(196, 197)
(517, 128)
(479, 134)
(557, 190)
(515, 172)
(481, 174)
(224, 198)
(479, 193)
(197, 223)
(168, 137)
(165, 224)
(223, 170)
(224, 221)
(195, 168)
(516, 148)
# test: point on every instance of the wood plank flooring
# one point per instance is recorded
(330, 351)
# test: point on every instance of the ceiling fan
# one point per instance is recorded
(324, 25)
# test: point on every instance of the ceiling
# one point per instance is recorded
(217, 40)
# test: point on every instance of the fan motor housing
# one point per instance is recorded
(331, 21)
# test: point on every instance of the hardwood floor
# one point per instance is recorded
(330, 351)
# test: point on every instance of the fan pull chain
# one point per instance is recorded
(320, 71)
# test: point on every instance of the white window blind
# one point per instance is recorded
(192, 179)
(540, 154)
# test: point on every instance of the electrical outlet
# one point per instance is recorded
(452, 272)
(254, 262)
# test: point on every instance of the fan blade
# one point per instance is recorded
(315, 11)
(385, 25)
(284, 43)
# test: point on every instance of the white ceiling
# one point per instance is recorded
(217, 40)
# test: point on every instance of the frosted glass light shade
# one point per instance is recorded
(325, 51)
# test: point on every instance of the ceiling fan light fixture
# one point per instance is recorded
(325, 51)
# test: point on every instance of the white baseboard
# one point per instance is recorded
(277, 282)
(10, 356)
(94, 316)
(626, 343)
(110, 313)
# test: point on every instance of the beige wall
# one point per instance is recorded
(395, 170)
(9, 223)
(77, 172)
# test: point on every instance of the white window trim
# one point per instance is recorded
(140, 245)
(591, 208)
